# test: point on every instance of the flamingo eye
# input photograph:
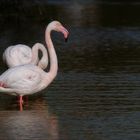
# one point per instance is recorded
(58, 24)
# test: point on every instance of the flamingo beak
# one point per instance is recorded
(65, 32)
(66, 39)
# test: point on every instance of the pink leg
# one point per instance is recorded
(21, 103)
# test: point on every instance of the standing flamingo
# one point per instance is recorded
(28, 79)
(22, 54)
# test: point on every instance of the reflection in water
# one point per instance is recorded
(39, 124)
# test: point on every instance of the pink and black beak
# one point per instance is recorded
(66, 39)
(65, 32)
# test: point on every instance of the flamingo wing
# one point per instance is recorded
(17, 55)
(24, 79)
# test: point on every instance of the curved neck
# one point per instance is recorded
(52, 54)
(43, 62)
(34, 59)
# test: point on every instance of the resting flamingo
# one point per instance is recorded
(22, 54)
(28, 79)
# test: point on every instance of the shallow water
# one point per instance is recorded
(95, 95)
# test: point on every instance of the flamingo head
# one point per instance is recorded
(57, 26)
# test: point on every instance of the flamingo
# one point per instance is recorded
(22, 54)
(29, 79)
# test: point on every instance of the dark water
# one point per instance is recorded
(96, 95)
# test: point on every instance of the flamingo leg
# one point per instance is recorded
(21, 103)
